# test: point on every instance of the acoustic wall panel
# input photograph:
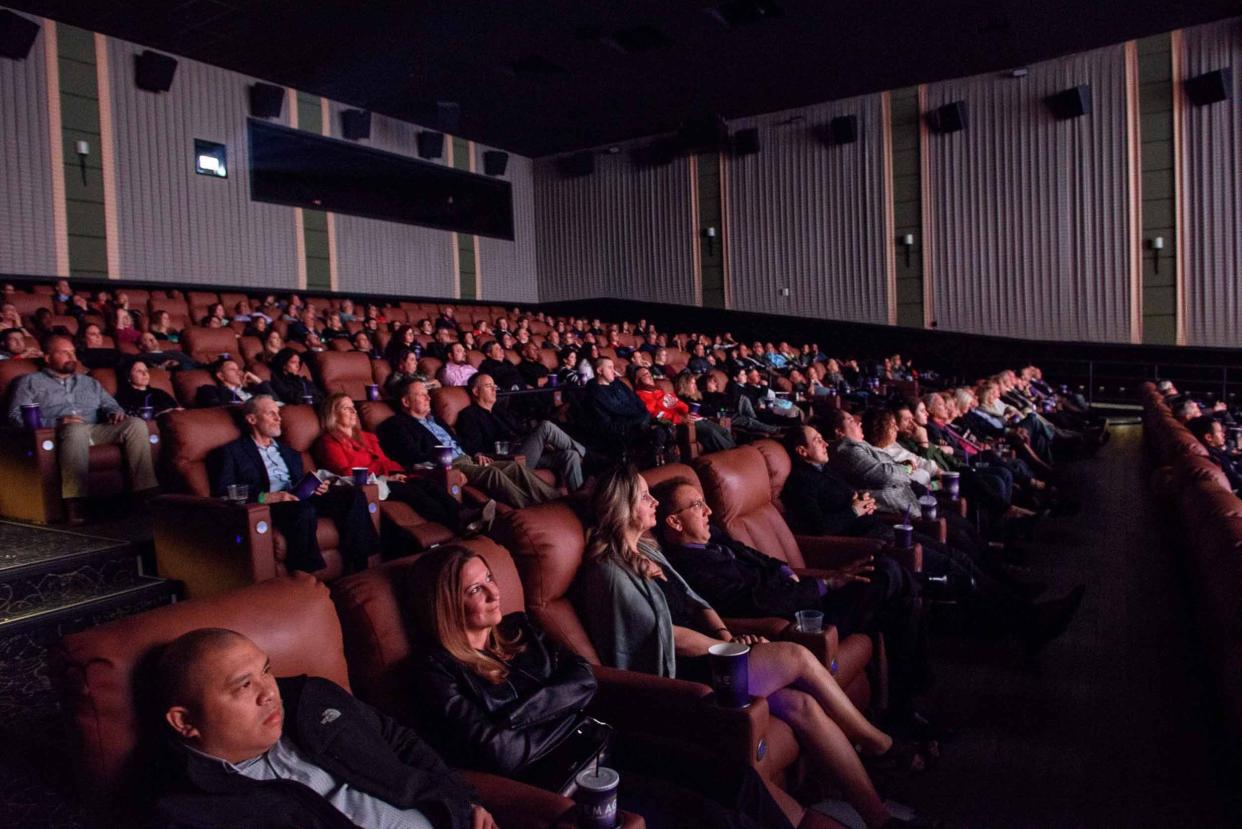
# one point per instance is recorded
(1027, 220)
(506, 269)
(1210, 188)
(812, 217)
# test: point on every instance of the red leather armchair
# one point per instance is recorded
(291, 619)
(211, 545)
(206, 344)
(343, 371)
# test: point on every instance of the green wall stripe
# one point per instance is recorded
(79, 115)
(467, 272)
(1155, 71)
(711, 256)
(907, 203)
(314, 222)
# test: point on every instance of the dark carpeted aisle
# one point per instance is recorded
(1111, 724)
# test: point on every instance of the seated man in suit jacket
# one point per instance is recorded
(253, 750)
(232, 385)
(1211, 434)
(411, 436)
(872, 595)
(481, 424)
(271, 471)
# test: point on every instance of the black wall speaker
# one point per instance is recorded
(1070, 103)
(266, 101)
(949, 118)
(153, 71)
(430, 144)
(495, 162)
(746, 142)
(17, 35)
(578, 164)
(356, 124)
(843, 129)
(1210, 88)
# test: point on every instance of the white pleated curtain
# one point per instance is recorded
(1027, 219)
(1210, 191)
(811, 217)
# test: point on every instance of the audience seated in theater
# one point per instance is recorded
(123, 330)
(483, 423)
(93, 352)
(457, 370)
(272, 472)
(134, 391)
(509, 701)
(505, 373)
(642, 616)
(303, 326)
(233, 385)
(532, 369)
(869, 595)
(820, 501)
(668, 408)
(10, 317)
(411, 436)
(447, 318)
(13, 346)
(1211, 434)
(441, 345)
(343, 447)
(287, 384)
(85, 416)
(154, 354)
(333, 328)
(273, 344)
(253, 750)
(362, 342)
(61, 292)
(879, 429)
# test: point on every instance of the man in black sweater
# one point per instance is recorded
(481, 424)
(250, 750)
(505, 373)
(1211, 434)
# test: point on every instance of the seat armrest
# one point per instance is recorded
(830, 552)
(938, 529)
(515, 804)
(822, 644)
(451, 479)
(212, 545)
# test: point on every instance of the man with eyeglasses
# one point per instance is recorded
(870, 595)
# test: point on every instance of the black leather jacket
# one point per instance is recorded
(506, 727)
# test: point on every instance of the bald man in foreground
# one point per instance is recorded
(251, 750)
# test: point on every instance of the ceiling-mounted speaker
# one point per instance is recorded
(576, 165)
(356, 124)
(708, 133)
(154, 71)
(1210, 88)
(495, 162)
(843, 130)
(659, 153)
(745, 142)
(430, 144)
(949, 118)
(1070, 103)
(17, 35)
(266, 100)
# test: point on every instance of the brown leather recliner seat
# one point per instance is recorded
(737, 486)
(206, 344)
(677, 718)
(208, 544)
(348, 372)
(99, 672)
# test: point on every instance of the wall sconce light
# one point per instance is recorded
(1157, 245)
(907, 242)
(84, 149)
(709, 233)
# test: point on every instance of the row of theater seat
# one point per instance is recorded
(1207, 519)
(360, 637)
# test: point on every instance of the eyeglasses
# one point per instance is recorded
(696, 504)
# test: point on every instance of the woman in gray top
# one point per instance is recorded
(641, 615)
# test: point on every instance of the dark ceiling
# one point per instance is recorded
(544, 77)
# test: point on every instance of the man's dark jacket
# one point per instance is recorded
(505, 373)
(818, 502)
(739, 581)
(478, 429)
(1228, 465)
(358, 746)
(217, 395)
(407, 441)
(239, 462)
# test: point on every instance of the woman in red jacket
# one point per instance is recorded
(669, 408)
(343, 446)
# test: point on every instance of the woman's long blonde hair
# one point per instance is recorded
(614, 503)
(330, 420)
(441, 616)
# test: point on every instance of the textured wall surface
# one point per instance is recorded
(1027, 219)
(506, 269)
(811, 217)
(625, 231)
(1210, 191)
(172, 223)
(27, 240)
